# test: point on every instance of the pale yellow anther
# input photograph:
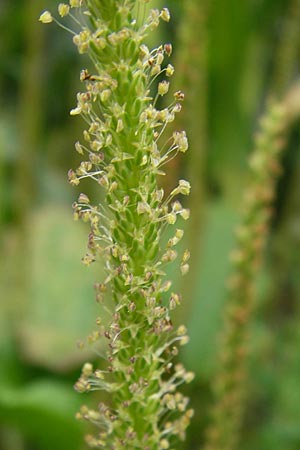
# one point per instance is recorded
(120, 125)
(87, 369)
(63, 9)
(169, 70)
(78, 148)
(184, 340)
(75, 111)
(163, 88)
(184, 269)
(171, 218)
(189, 377)
(165, 14)
(179, 233)
(184, 187)
(46, 17)
(185, 214)
(186, 256)
(181, 330)
(105, 95)
(75, 3)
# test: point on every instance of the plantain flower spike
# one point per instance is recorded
(124, 150)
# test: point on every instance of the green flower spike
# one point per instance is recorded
(231, 382)
(123, 150)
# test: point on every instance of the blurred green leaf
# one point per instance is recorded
(44, 411)
(61, 307)
(206, 320)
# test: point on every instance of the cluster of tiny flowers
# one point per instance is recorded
(230, 385)
(123, 151)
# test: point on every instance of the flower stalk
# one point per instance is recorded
(124, 151)
(231, 379)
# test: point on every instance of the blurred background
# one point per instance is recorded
(230, 57)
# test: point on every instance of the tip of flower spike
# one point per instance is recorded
(46, 17)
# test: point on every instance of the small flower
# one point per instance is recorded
(46, 17)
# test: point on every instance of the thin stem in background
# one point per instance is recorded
(230, 383)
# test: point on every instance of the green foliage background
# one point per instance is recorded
(236, 56)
